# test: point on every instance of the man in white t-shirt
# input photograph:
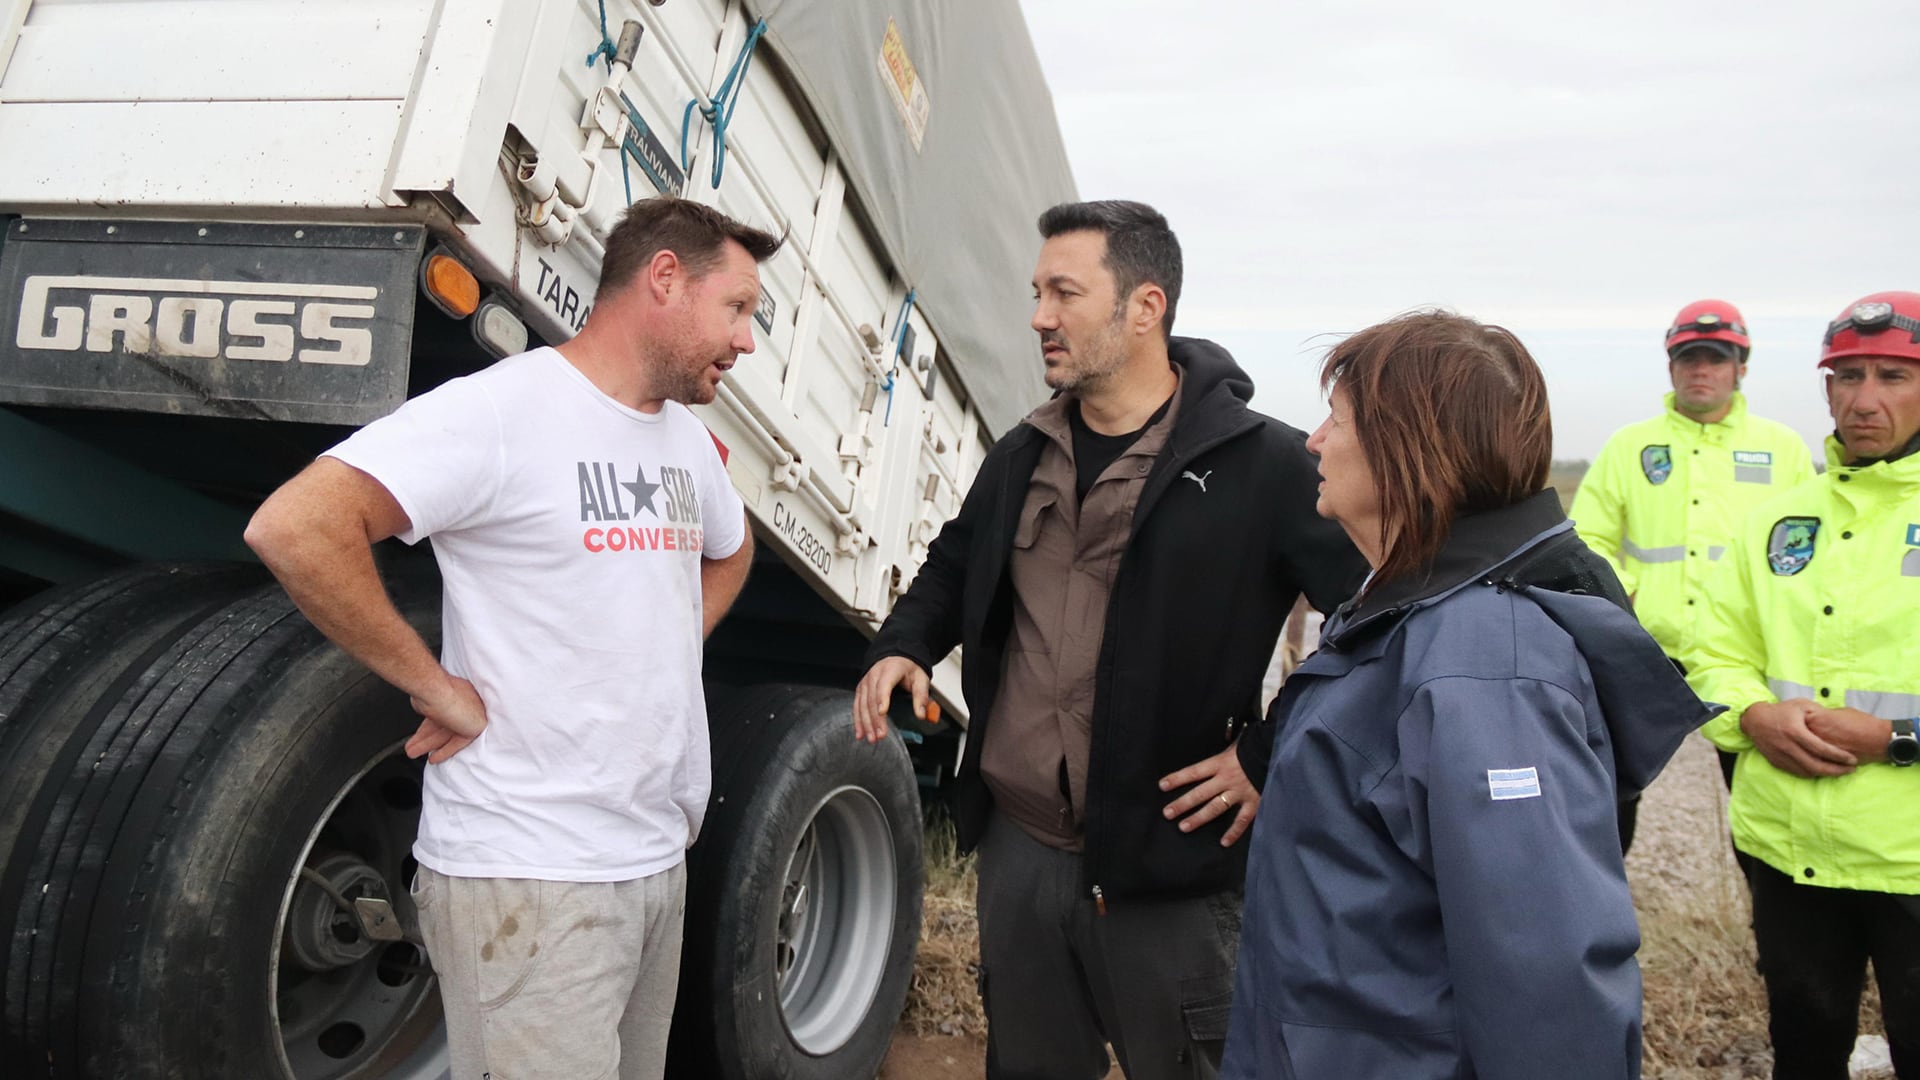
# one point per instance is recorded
(588, 539)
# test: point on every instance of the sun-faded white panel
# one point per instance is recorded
(783, 276)
(456, 115)
(234, 50)
(767, 125)
(10, 26)
(319, 154)
(859, 275)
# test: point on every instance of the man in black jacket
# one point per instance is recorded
(1117, 576)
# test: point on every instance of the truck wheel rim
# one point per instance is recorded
(379, 1014)
(836, 920)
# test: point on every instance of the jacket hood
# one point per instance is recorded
(1477, 545)
(1530, 548)
(1213, 396)
(1209, 368)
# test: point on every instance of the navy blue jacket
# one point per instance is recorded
(1435, 887)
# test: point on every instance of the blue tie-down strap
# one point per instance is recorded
(605, 48)
(720, 112)
(899, 343)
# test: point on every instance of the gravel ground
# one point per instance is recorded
(1681, 850)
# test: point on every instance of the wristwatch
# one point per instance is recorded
(1904, 748)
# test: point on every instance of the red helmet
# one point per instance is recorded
(1710, 320)
(1884, 324)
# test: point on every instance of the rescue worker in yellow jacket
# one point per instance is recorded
(1664, 494)
(1811, 637)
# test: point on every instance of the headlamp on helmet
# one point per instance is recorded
(1709, 321)
(1884, 324)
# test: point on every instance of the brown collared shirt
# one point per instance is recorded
(1066, 553)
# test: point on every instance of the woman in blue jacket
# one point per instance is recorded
(1435, 886)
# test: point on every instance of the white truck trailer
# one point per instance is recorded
(230, 231)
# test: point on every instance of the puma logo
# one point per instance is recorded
(1201, 480)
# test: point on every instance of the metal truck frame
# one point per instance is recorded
(229, 233)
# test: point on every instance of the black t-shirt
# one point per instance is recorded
(1093, 452)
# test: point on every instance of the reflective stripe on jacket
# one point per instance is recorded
(1665, 494)
(1819, 598)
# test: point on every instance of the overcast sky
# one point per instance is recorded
(1574, 174)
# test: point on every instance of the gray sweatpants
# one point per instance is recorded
(1060, 981)
(555, 978)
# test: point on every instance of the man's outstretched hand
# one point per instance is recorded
(874, 696)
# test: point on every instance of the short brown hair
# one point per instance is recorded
(695, 232)
(1452, 416)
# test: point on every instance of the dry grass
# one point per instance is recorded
(1705, 1006)
(945, 999)
(1705, 1009)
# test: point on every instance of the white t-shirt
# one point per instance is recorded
(569, 531)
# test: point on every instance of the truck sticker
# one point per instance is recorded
(224, 320)
(763, 314)
(643, 146)
(561, 297)
(804, 542)
(904, 85)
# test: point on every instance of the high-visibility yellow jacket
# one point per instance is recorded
(1663, 496)
(1819, 598)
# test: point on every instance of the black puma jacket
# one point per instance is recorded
(1224, 539)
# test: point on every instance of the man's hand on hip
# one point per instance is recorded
(1219, 785)
(1780, 732)
(874, 696)
(454, 717)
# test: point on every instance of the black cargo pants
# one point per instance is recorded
(1815, 944)
(1060, 980)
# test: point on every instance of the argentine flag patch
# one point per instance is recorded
(1503, 784)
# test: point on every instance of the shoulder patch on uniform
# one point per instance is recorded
(1657, 463)
(1790, 544)
(1504, 784)
(1752, 457)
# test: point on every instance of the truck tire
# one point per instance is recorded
(63, 650)
(53, 642)
(164, 927)
(803, 907)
